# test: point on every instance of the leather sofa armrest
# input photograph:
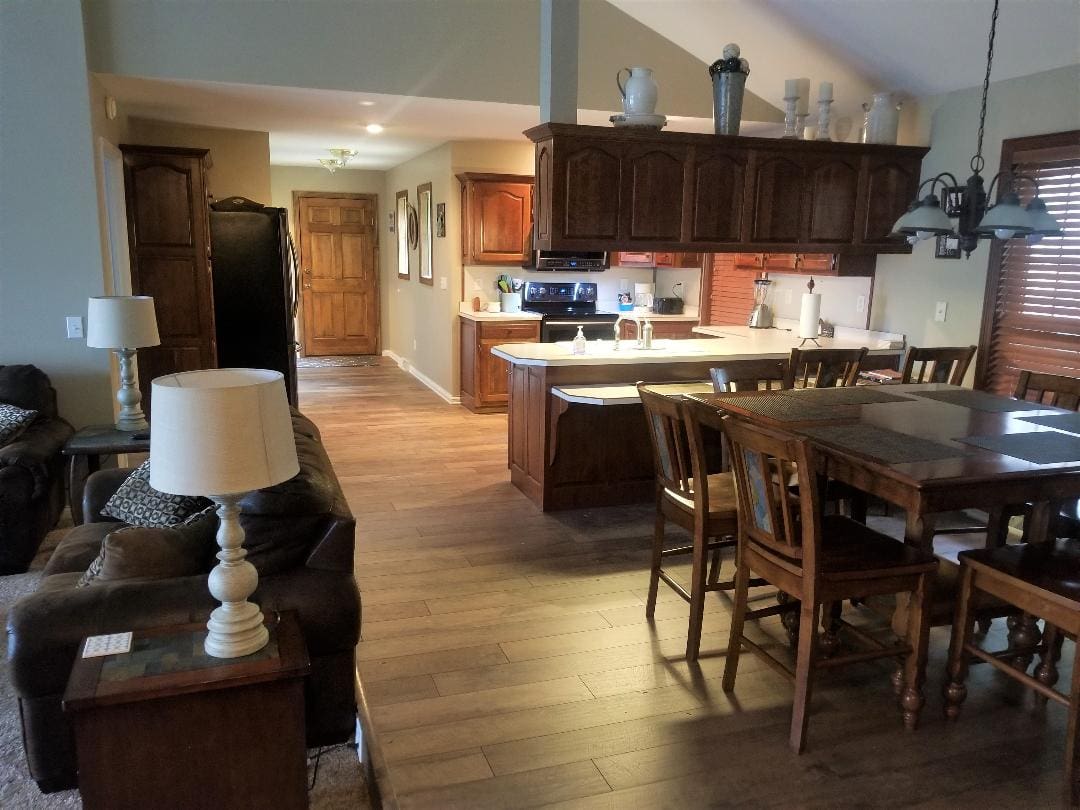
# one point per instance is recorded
(35, 447)
(99, 488)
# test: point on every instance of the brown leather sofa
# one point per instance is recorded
(31, 468)
(299, 536)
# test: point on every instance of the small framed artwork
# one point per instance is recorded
(423, 202)
(401, 209)
(947, 247)
(440, 220)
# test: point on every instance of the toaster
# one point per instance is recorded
(668, 306)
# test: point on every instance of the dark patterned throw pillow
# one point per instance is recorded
(138, 503)
(13, 421)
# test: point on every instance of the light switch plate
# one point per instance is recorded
(442, 283)
(860, 304)
(940, 310)
(74, 324)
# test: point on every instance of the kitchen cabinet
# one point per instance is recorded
(644, 259)
(600, 188)
(818, 264)
(669, 330)
(484, 383)
(496, 218)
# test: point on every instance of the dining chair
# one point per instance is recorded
(947, 364)
(707, 512)
(823, 368)
(1049, 389)
(748, 375)
(820, 561)
(1040, 580)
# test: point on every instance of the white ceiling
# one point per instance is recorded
(304, 123)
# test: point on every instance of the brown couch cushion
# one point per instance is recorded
(137, 552)
(78, 548)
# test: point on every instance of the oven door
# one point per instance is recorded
(565, 329)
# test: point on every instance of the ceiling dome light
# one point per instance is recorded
(367, 103)
(374, 129)
(1006, 219)
(924, 220)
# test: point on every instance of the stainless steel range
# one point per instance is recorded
(565, 306)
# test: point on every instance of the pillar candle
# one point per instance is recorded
(809, 314)
(825, 92)
(791, 88)
(809, 133)
(804, 97)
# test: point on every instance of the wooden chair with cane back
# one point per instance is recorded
(823, 368)
(1039, 579)
(820, 560)
(708, 512)
(947, 364)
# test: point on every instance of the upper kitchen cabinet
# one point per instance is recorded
(602, 188)
(496, 218)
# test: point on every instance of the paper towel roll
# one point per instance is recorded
(809, 314)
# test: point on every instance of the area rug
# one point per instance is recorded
(339, 783)
(338, 362)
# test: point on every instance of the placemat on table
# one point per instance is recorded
(847, 395)
(980, 401)
(788, 409)
(883, 444)
(1042, 447)
(1069, 422)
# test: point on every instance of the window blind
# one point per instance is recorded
(730, 294)
(1036, 305)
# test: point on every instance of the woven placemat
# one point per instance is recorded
(1042, 447)
(848, 395)
(788, 409)
(883, 444)
(1069, 422)
(980, 401)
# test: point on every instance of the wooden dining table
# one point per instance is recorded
(930, 449)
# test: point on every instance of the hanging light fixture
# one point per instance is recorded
(1007, 219)
(339, 159)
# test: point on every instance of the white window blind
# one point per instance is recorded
(1036, 305)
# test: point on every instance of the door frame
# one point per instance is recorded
(336, 195)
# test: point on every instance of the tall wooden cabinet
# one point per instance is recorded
(169, 244)
(496, 218)
(484, 377)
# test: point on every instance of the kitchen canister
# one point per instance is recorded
(511, 302)
(729, 83)
(882, 119)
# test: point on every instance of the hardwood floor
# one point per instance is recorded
(507, 663)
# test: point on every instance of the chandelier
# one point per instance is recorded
(1007, 219)
(339, 159)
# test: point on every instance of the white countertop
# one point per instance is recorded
(651, 316)
(845, 336)
(465, 311)
(767, 344)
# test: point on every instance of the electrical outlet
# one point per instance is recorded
(940, 311)
(442, 283)
(414, 345)
(860, 304)
(74, 325)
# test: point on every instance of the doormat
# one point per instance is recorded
(338, 362)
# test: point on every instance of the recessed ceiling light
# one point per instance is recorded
(367, 103)
(374, 129)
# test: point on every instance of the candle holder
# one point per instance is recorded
(800, 124)
(789, 117)
(823, 106)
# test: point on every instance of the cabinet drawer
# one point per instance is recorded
(524, 330)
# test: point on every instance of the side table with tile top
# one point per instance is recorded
(85, 451)
(167, 726)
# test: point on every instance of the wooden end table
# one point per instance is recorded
(167, 726)
(86, 449)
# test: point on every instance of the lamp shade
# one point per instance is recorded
(1044, 224)
(221, 432)
(121, 322)
(924, 218)
(1006, 219)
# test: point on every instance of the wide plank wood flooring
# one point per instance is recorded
(507, 663)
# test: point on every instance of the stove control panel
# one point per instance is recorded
(581, 292)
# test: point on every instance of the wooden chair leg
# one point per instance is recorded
(1047, 672)
(698, 576)
(1072, 743)
(738, 619)
(963, 624)
(714, 567)
(657, 549)
(918, 636)
(809, 615)
(830, 626)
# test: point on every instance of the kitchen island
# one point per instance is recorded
(577, 437)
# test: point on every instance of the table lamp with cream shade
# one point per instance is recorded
(222, 433)
(124, 323)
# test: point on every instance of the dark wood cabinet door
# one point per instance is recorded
(834, 190)
(779, 199)
(890, 186)
(587, 184)
(718, 179)
(653, 193)
(169, 245)
(542, 196)
(497, 218)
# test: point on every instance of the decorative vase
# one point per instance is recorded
(882, 119)
(639, 92)
(729, 83)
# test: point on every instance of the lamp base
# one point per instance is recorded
(236, 628)
(131, 417)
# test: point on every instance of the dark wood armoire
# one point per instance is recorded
(169, 239)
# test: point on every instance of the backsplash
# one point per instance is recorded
(607, 282)
(839, 298)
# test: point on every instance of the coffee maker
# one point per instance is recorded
(761, 316)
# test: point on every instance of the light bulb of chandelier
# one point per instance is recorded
(921, 236)
(1004, 233)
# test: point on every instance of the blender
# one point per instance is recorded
(761, 316)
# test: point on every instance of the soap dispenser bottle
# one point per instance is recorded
(579, 342)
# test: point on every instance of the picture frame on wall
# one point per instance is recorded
(440, 220)
(425, 232)
(401, 213)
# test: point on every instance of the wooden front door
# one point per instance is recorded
(339, 273)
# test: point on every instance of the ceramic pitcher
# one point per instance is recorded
(639, 91)
(882, 119)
